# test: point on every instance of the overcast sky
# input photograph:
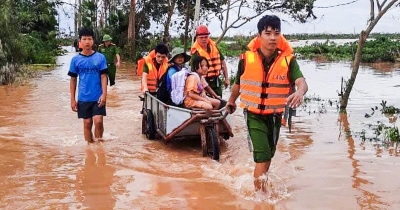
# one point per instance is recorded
(350, 18)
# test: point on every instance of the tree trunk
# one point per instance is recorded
(382, 9)
(356, 66)
(228, 8)
(187, 20)
(166, 37)
(131, 30)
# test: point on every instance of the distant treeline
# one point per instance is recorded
(324, 36)
(339, 36)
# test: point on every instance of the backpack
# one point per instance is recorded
(178, 82)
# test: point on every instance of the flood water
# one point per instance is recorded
(323, 164)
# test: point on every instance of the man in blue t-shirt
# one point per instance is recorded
(91, 68)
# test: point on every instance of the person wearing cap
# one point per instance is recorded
(111, 51)
(204, 46)
(265, 76)
(154, 68)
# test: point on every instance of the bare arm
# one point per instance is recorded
(144, 82)
(196, 97)
(118, 60)
(296, 99)
(231, 105)
(226, 83)
(211, 92)
(72, 90)
(103, 97)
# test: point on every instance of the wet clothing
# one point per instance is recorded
(264, 128)
(260, 128)
(87, 110)
(110, 53)
(89, 69)
(212, 79)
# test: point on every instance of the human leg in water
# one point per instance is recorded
(261, 169)
(87, 129)
(98, 127)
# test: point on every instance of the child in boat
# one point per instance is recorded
(196, 87)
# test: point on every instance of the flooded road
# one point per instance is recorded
(46, 164)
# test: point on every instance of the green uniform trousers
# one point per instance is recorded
(261, 131)
(112, 71)
(216, 84)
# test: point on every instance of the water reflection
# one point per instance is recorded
(367, 199)
(94, 180)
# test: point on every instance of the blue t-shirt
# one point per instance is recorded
(89, 69)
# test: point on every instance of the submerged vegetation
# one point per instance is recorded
(385, 132)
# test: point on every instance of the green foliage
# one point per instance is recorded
(382, 49)
(27, 35)
(392, 134)
(325, 36)
(229, 49)
(381, 131)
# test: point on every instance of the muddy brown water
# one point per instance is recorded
(322, 164)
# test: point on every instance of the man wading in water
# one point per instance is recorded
(263, 81)
(91, 68)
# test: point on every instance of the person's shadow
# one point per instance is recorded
(94, 180)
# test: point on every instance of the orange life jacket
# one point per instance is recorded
(154, 75)
(265, 94)
(283, 44)
(141, 62)
(213, 57)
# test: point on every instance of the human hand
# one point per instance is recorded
(145, 90)
(231, 107)
(102, 100)
(74, 105)
(295, 100)
(117, 64)
(226, 83)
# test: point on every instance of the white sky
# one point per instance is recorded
(351, 18)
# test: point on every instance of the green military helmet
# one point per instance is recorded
(106, 37)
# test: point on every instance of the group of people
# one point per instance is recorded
(268, 79)
(171, 80)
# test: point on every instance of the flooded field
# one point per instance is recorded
(323, 164)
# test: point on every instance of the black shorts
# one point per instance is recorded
(87, 110)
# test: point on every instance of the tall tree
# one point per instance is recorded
(171, 7)
(131, 29)
(381, 8)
